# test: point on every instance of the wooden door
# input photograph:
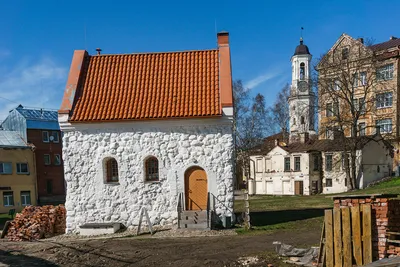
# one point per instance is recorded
(196, 189)
(298, 187)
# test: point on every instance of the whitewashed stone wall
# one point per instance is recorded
(177, 148)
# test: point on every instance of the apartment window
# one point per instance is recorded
(22, 168)
(385, 72)
(47, 159)
(355, 79)
(49, 186)
(336, 85)
(345, 53)
(363, 78)
(55, 136)
(8, 199)
(385, 126)
(343, 161)
(328, 133)
(335, 109)
(384, 100)
(25, 198)
(45, 136)
(57, 159)
(361, 128)
(111, 170)
(328, 162)
(5, 168)
(361, 104)
(287, 164)
(297, 164)
(329, 109)
(328, 182)
(316, 162)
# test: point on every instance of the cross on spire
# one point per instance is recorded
(301, 35)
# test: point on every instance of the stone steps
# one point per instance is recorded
(193, 220)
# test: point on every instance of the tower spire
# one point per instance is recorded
(301, 35)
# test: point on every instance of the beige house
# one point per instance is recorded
(368, 77)
(17, 173)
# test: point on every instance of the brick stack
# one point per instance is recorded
(385, 218)
(35, 222)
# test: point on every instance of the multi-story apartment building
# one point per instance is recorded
(40, 127)
(17, 172)
(358, 88)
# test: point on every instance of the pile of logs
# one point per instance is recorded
(36, 222)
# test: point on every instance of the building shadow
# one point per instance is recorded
(264, 218)
(14, 260)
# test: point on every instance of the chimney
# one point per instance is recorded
(276, 142)
(361, 40)
(304, 137)
(98, 51)
(393, 37)
(225, 70)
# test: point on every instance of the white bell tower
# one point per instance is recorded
(302, 98)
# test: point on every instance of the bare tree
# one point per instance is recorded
(348, 82)
(280, 109)
(251, 124)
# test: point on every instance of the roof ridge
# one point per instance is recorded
(161, 52)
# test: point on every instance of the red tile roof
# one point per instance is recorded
(148, 86)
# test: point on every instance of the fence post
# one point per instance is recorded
(329, 238)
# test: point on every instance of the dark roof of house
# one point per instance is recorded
(386, 45)
(301, 49)
(269, 143)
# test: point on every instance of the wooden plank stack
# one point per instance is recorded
(36, 222)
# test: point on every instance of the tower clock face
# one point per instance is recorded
(303, 86)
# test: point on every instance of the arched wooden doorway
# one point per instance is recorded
(196, 189)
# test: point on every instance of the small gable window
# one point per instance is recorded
(151, 169)
(111, 166)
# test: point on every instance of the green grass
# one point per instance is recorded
(303, 213)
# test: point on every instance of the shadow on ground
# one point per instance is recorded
(264, 218)
(14, 259)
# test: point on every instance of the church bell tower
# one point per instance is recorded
(302, 98)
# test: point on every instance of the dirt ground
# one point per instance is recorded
(148, 251)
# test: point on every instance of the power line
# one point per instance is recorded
(9, 100)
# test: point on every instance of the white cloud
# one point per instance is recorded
(39, 84)
(261, 79)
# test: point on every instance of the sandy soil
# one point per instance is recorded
(150, 251)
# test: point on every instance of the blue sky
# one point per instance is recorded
(38, 37)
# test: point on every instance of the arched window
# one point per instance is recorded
(111, 166)
(302, 70)
(151, 169)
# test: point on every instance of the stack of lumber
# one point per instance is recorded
(37, 222)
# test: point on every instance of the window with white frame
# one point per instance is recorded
(296, 163)
(336, 85)
(385, 125)
(363, 78)
(328, 162)
(328, 182)
(328, 133)
(47, 159)
(259, 165)
(287, 164)
(385, 72)
(5, 168)
(56, 137)
(22, 168)
(8, 199)
(57, 159)
(384, 100)
(329, 110)
(25, 198)
(45, 136)
(361, 128)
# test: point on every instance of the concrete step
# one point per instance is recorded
(191, 221)
(195, 226)
(194, 214)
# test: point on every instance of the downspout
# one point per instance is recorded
(36, 184)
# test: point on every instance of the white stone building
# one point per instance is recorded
(297, 163)
(149, 130)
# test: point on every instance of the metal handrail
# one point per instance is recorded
(208, 211)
